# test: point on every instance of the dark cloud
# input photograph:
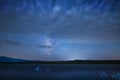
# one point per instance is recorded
(44, 46)
(15, 43)
(9, 42)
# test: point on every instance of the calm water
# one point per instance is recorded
(59, 71)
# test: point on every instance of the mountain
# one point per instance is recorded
(8, 59)
(14, 60)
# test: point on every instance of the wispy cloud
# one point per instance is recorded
(15, 43)
(93, 20)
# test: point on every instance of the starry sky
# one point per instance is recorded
(53, 30)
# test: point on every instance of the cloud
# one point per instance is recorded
(83, 20)
(15, 43)
(9, 42)
(44, 46)
(70, 24)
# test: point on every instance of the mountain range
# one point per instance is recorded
(4, 59)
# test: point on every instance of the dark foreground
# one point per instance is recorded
(59, 71)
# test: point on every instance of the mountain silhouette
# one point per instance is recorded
(8, 59)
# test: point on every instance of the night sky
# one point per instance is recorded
(60, 29)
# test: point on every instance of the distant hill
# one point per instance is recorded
(4, 59)
(8, 59)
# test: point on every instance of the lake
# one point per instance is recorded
(59, 71)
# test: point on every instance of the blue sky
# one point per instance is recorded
(60, 29)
